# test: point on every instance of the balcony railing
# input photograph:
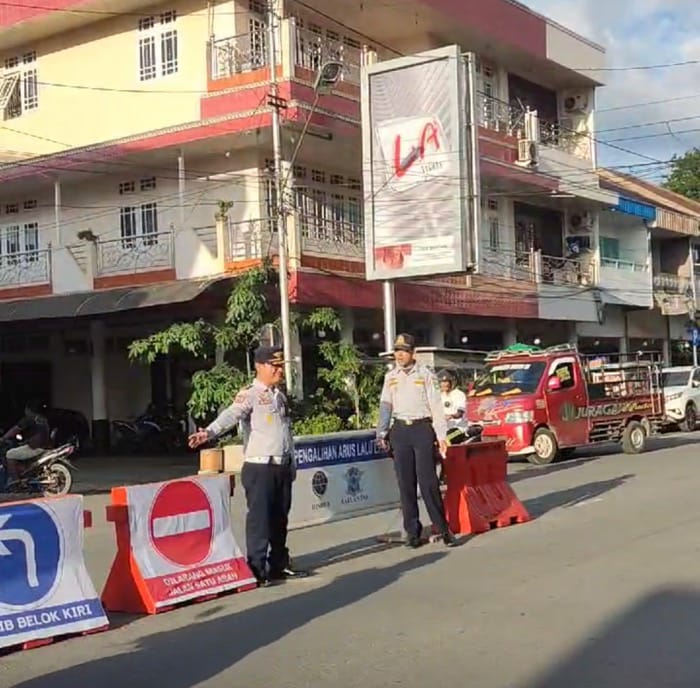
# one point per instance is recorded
(332, 237)
(312, 50)
(672, 284)
(25, 269)
(567, 271)
(500, 116)
(533, 266)
(237, 55)
(624, 265)
(515, 265)
(139, 253)
(558, 135)
(250, 240)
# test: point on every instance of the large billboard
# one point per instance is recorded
(418, 171)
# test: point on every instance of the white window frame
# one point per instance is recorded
(19, 243)
(138, 225)
(25, 96)
(158, 47)
(329, 204)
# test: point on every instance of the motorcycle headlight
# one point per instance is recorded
(515, 417)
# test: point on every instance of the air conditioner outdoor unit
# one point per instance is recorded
(575, 103)
(528, 153)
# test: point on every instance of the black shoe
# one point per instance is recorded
(288, 573)
(449, 539)
(414, 542)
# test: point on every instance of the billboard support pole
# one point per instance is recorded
(389, 315)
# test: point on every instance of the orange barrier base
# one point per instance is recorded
(478, 497)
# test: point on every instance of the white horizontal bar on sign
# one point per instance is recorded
(182, 523)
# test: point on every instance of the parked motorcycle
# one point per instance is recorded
(150, 433)
(48, 475)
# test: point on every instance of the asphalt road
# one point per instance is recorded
(599, 591)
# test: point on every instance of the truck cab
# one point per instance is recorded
(547, 402)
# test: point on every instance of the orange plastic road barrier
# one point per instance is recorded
(174, 545)
(478, 496)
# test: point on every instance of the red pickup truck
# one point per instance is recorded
(547, 402)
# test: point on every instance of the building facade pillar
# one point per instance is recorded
(100, 416)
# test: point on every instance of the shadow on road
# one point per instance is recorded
(539, 506)
(187, 657)
(653, 644)
(346, 551)
(528, 472)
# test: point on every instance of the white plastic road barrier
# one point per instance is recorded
(45, 589)
(340, 476)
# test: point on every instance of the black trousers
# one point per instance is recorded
(414, 461)
(268, 491)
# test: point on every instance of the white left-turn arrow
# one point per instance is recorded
(17, 535)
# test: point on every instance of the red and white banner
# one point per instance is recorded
(181, 546)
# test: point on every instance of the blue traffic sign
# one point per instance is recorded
(30, 554)
(695, 336)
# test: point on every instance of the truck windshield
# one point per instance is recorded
(674, 378)
(505, 379)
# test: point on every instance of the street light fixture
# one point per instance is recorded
(328, 75)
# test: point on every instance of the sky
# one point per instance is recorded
(645, 32)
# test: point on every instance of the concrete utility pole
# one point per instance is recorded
(327, 76)
(280, 217)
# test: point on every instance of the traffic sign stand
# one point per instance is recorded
(174, 546)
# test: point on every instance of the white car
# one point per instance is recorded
(681, 386)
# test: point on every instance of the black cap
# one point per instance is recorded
(269, 354)
(404, 342)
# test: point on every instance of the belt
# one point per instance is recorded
(412, 421)
(268, 460)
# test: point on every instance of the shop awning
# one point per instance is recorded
(103, 302)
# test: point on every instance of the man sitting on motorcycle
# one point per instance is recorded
(36, 436)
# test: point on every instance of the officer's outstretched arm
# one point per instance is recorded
(436, 409)
(386, 408)
(230, 416)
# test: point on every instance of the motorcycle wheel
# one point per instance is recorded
(61, 480)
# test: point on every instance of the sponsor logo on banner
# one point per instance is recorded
(45, 590)
(353, 486)
(182, 541)
(319, 486)
(339, 476)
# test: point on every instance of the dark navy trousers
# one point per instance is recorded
(413, 448)
(268, 491)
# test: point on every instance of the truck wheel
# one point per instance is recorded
(690, 422)
(634, 438)
(546, 448)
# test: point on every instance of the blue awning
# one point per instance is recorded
(630, 207)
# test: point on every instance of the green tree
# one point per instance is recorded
(685, 175)
(247, 310)
(345, 381)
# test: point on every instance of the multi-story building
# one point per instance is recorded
(124, 125)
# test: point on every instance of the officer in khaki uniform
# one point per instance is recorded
(269, 468)
(412, 398)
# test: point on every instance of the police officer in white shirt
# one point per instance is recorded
(411, 398)
(269, 468)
